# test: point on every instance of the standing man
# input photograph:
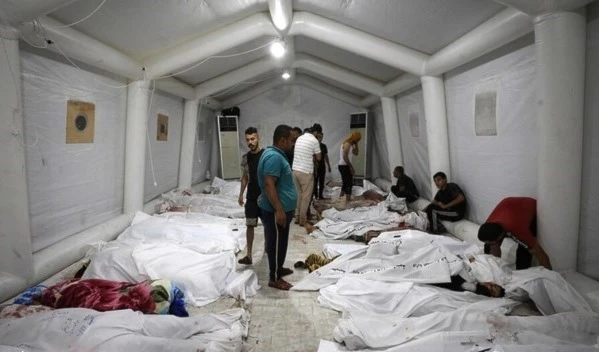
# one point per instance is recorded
(295, 133)
(307, 149)
(449, 203)
(277, 203)
(346, 169)
(321, 168)
(405, 187)
(249, 178)
(516, 218)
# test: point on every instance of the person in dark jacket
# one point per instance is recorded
(405, 187)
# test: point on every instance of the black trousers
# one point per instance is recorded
(277, 240)
(321, 171)
(435, 214)
(347, 178)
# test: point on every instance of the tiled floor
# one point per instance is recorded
(284, 320)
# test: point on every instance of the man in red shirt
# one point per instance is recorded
(516, 218)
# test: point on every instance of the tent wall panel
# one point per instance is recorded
(588, 241)
(164, 153)
(300, 106)
(412, 126)
(71, 186)
(491, 167)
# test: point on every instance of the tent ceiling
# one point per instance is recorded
(218, 66)
(241, 86)
(142, 28)
(346, 59)
(334, 83)
(424, 25)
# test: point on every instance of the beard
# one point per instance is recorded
(253, 146)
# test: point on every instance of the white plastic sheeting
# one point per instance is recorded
(195, 250)
(357, 331)
(71, 186)
(490, 168)
(297, 106)
(163, 155)
(588, 241)
(81, 329)
(412, 126)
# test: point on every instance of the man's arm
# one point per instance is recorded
(244, 182)
(326, 160)
(346, 148)
(318, 157)
(270, 189)
(459, 199)
(542, 257)
(355, 149)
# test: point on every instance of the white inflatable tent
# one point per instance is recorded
(425, 70)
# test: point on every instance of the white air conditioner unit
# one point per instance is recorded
(228, 138)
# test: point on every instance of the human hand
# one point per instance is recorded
(240, 200)
(281, 218)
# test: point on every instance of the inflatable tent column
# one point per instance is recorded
(560, 39)
(15, 249)
(188, 140)
(135, 145)
(433, 91)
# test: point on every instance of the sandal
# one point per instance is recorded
(245, 260)
(285, 271)
(280, 284)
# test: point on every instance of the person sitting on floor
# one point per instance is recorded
(449, 203)
(515, 218)
(405, 187)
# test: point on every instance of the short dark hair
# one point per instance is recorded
(297, 129)
(251, 130)
(440, 174)
(489, 232)
(316, 128)
(308, 129)
(400, 168)
(483, 290)
(281, 131)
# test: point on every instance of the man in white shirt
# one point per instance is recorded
(307, 149)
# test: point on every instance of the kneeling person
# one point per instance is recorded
(516, 218)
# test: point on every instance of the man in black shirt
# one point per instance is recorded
(321, 168)
(405, 187)
(249, 178)
(449, 203)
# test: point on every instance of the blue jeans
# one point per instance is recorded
(277, 239)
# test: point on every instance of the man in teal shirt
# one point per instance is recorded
(277, 203)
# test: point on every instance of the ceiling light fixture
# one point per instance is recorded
(286, 75)
(278, 48)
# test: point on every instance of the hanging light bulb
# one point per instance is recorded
(278, 48)
(286, 75)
